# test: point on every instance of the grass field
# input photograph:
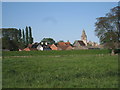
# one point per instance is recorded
(60, 69)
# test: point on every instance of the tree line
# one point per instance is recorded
(14, 39)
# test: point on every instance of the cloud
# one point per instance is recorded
(49, 19)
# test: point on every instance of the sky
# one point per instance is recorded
(58, 20)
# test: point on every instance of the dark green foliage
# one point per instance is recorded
(107, 28)
(13, 39)
(30, 35)
(10, 38)
(20, 35)
(23, 36)
(5, 42)
(12, 33)
(21, 42)
(9, 44)
(117, 51)
(14, 46)
(48, 40)
(27, 38)
(61, 41)
(1, 43)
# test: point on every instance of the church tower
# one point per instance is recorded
(84, 37)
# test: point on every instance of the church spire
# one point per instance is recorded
(84, 37)
(84, 34)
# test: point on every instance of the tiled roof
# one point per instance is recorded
(29, 49)
(26, 49)
(67, 43)
(61, 43)
(81, 43)
(63, 47)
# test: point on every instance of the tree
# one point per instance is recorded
(23, 37)
(61, 41)
(20, 35)
(30, 35)
(12, 33)
(27, 39)
(13, 39)
(107, 28)
(5, 42)
(10, 38)
(21, 40)
(48, 40)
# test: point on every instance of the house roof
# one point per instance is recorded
(52, 45)
(63, 47)
(81, 43)
(29, 49)
(69, 47)
(26, 49)
(34, 46)
(67, 43)
(61, 43)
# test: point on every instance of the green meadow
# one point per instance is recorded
(60, 69)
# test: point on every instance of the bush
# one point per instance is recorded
(116, 51)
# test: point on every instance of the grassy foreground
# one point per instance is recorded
(60, 69)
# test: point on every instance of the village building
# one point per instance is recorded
(30, 49)
(53, 47)
(46, 48)
(69, 47)
(84, 44)
(43, 46)
(78, 44)
(90, 43)
(84, 37)
(64, 46)
(39, 47)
